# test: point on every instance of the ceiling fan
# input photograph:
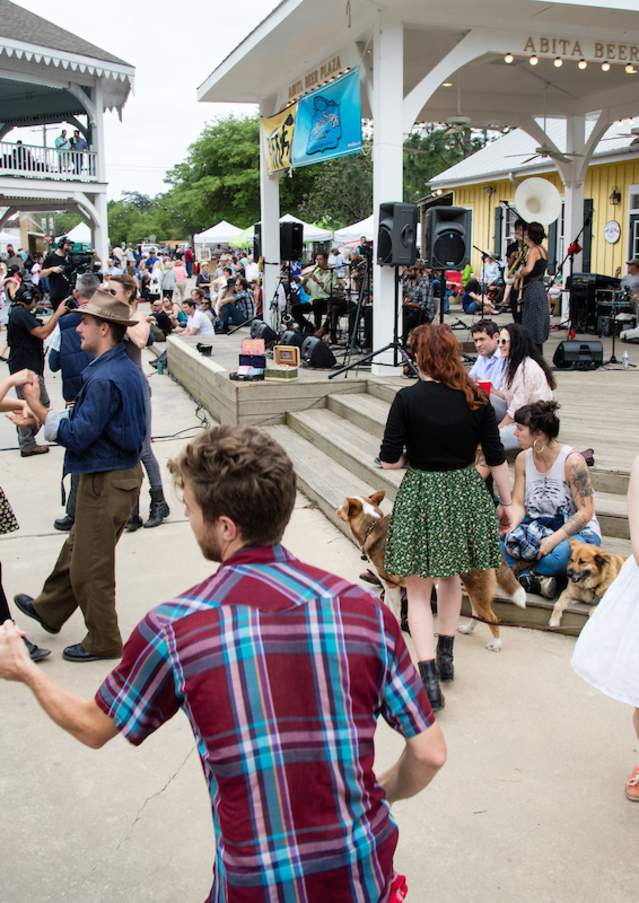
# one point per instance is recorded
(544, 151)
(632, 133)
(457, 124)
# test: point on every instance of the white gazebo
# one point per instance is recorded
(49, 76)
(484, 64)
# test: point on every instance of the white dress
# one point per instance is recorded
(607, 651)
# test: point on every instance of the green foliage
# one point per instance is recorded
(220, 179)
(64, 221)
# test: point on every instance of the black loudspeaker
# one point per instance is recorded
(291, 241)
(448, 237)
(293, 337)
(578, 355)
(261, 330)
(397, 234)
(316, 353)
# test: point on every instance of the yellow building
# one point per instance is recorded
(483, 181)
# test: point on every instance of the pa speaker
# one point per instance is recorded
(578, 355)
(397, 234)
(292, 337)
(291, 241)
(261, 330)
(448, 237)
(257, 241)
(316, 353)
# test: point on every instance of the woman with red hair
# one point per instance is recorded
(443, 522)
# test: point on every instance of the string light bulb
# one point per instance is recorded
(533, 60)
(630, 69)
(605, 67)
(582, 64)
(509, 58)
(558, 62)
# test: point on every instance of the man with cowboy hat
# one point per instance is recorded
(103, 435)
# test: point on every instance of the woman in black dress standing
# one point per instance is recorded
(8, 522)
(443, 522)
(536, 310)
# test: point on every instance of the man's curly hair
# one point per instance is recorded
(242, 473)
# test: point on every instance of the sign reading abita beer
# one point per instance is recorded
(593, 50)
(315, 76)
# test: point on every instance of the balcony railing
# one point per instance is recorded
(36, 162)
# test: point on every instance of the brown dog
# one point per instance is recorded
(590, 572)
(369, 526)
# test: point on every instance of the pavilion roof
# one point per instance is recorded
(19, 24)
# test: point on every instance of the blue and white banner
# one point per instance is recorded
(329, 121)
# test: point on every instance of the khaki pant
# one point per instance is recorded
(84, 574)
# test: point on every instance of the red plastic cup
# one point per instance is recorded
(486, 385)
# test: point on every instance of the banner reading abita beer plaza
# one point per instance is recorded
(277, 134)
(329, 121)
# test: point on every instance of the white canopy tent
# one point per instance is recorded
(353, 233)
(220, 234)
(311, 232)
(80, 233)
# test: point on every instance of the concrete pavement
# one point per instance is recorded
(529, 808)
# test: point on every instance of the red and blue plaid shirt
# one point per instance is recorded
(282, 670)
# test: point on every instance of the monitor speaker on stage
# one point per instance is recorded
(316, 353)
(448, 237)
(257, 241)
(292, 337)
(578, 355)
(291, 241)
(397, 234)
(261, 330)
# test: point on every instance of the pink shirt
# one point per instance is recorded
(528, 385)
(180, 273)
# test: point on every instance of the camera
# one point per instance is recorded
(70, 303)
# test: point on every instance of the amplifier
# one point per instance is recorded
(583, 298)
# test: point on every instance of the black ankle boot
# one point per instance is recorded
(430, 679)
(159, 509)
(404, 612)
(445, 662)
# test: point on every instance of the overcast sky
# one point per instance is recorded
(173, 46)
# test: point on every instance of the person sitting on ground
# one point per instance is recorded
(197, 323)
(527, 378)
(490, 364)
(162, 318)
(418, 305)
(244, 306)
(553, 493)
(204, 304)
(174, 312)
(472, 299)
(203, 279)
(313, 699)
(491, 272)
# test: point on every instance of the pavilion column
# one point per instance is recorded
(100, 229)
(270, 219)
(573, 194)
(388, 101)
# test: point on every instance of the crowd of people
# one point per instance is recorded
(296, 703)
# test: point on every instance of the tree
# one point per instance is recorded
(341, 191)
(64, 221)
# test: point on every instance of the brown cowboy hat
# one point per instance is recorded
(104, 306)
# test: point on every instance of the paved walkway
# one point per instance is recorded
(529, 809)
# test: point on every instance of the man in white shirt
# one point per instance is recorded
(197, 322)
(490, 365)
(338, 263)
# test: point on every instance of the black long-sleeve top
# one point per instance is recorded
(438, 429)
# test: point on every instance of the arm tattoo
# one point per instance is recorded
(576, 523)
(581, 481)
(582, 490)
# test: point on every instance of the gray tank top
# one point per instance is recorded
(548, 494)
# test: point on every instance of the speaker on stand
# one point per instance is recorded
(448, 244)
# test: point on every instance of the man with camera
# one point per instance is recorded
(25, 337)
(54, 268)
(66, 355)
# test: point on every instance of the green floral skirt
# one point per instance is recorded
(443, 523)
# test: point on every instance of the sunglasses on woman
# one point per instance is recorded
(503, 342)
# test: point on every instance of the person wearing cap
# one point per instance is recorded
(103, 434)
(53, 271)
(631, 279)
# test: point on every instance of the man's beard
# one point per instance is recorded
(210, 549)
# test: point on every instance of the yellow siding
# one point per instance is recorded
(600, 181)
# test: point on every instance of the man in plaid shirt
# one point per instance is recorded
(282, 670)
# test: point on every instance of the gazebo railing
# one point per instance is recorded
(37, 162)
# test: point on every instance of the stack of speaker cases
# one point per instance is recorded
(291, 241)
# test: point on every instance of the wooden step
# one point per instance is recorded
(364, 410)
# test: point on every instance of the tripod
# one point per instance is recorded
(364, 292)
(400, 355)
(613, 359)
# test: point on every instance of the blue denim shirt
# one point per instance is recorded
(106, 427)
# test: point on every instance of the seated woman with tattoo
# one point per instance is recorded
(553, 489)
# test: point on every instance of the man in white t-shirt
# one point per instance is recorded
(197, 322)
(337, 262)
